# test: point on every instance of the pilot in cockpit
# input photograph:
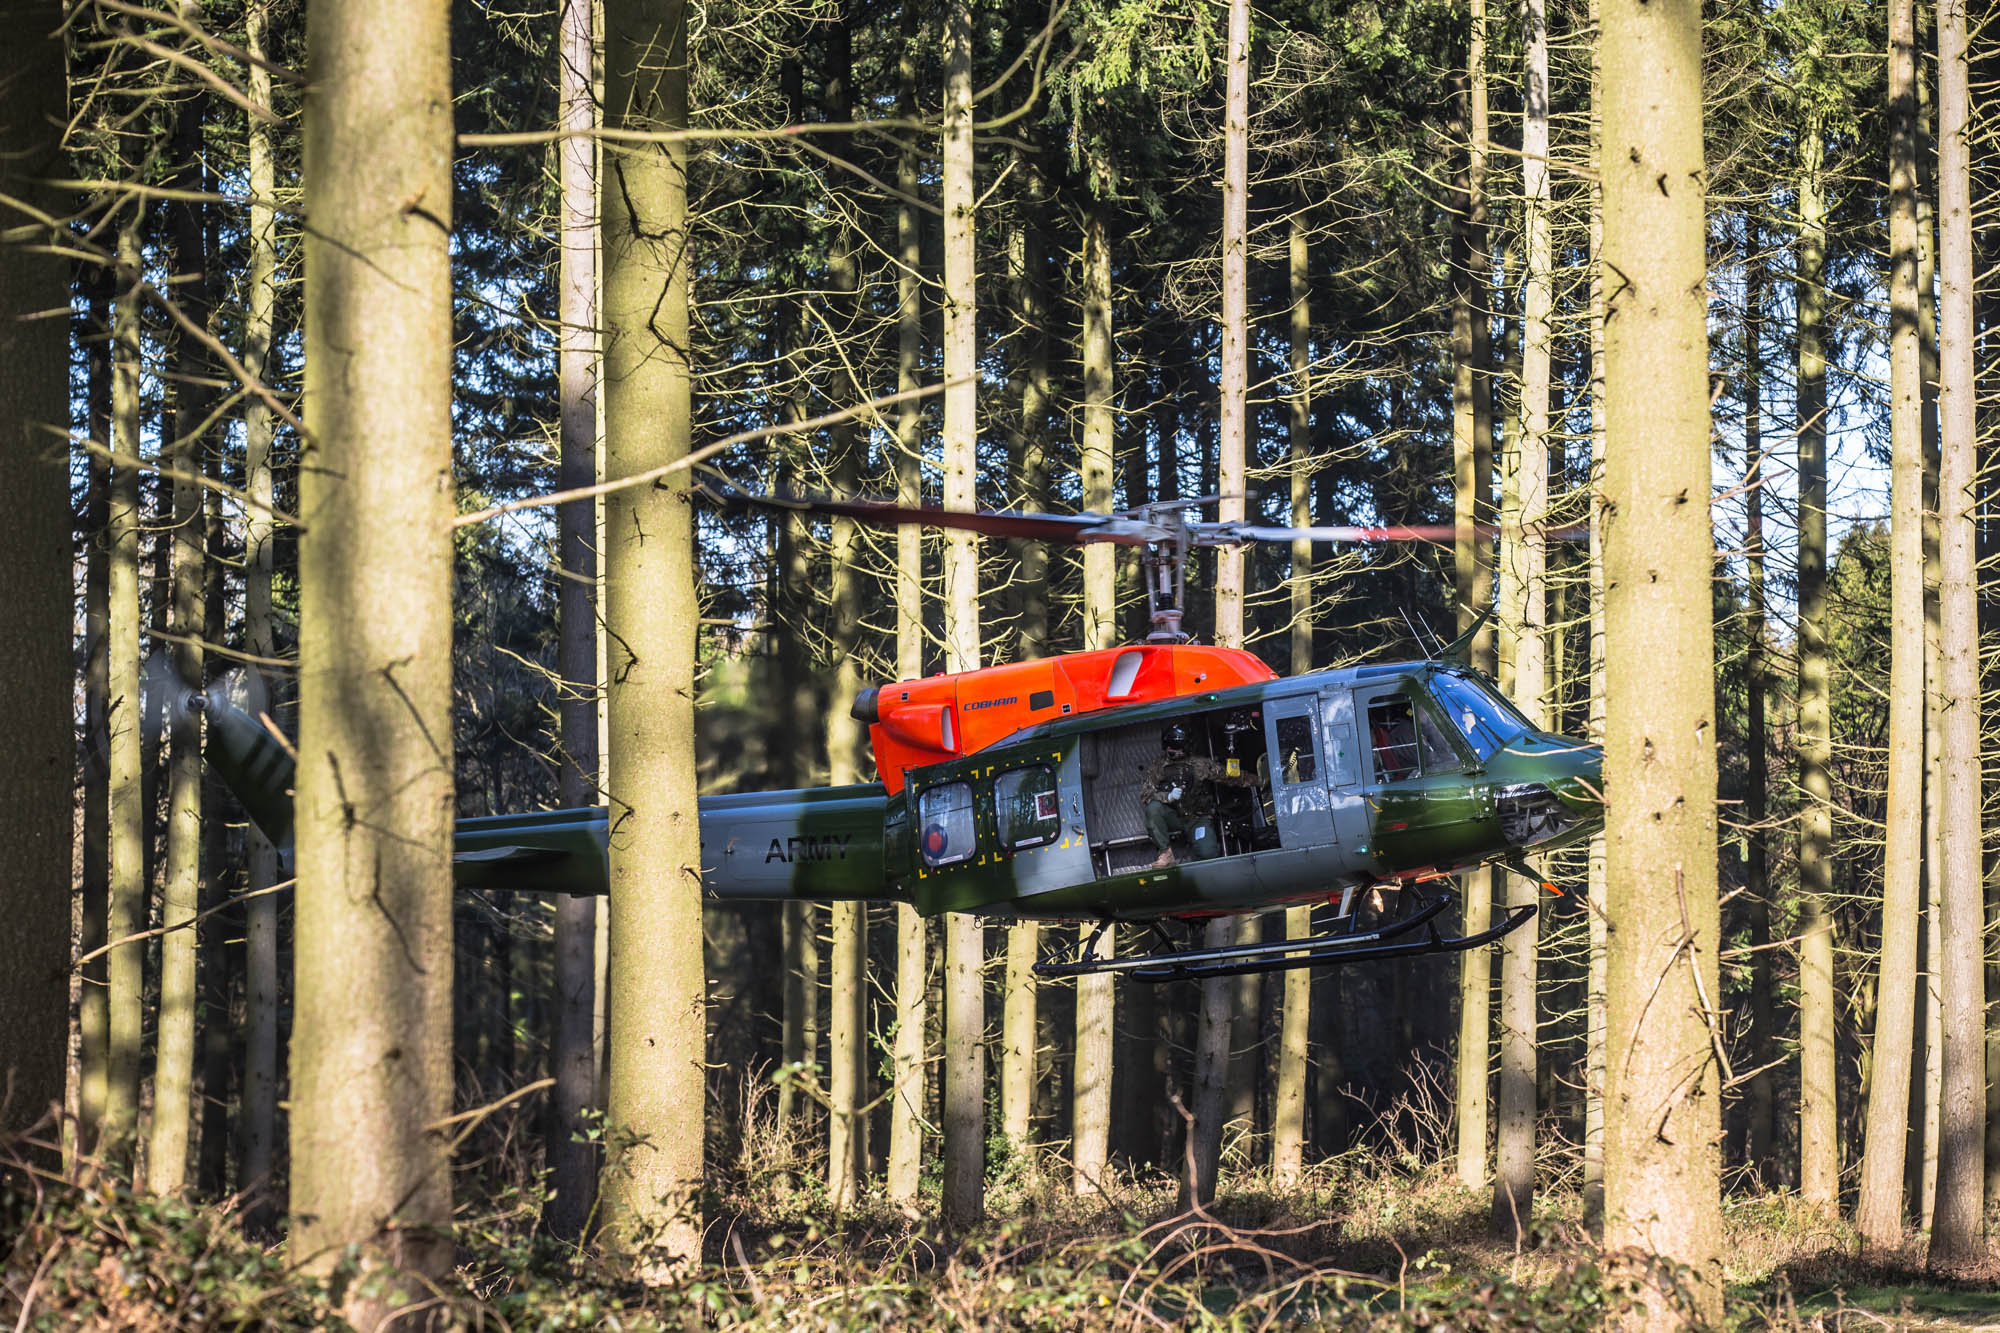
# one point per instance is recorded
(1179, 792)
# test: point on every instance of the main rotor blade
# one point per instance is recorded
(1071, 529)
(1236, 534)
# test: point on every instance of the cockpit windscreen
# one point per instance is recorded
(1486, 720)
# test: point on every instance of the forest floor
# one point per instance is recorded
(1367, 1242)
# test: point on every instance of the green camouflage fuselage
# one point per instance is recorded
(1042, 824)
(1362, 777)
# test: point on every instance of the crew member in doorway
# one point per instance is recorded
(1179, 791)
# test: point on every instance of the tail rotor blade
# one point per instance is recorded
(242, 688)
(166, 700)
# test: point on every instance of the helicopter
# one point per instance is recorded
(1021, 790)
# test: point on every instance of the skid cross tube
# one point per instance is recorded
(1312, 951)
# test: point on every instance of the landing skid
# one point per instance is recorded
(1329, 950)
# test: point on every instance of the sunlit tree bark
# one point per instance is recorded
(572, 1159)
(1756, 874)
(1288, 1113)
(1212, 1046)
(1662, 1159)
(180, 878)
(125, 909)
(1599, 936)
(964, 1198)
(1472, 451)
(1878, 1210)
(1096, 996)
(1957, 1226)
(371, 1042)
(653, 1170)
(1523, 621)
(906, 1103)
(257, 1132)
(1819, 1144)
(847, 986)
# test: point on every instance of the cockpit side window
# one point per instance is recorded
(1439, 756)
(1486, 720)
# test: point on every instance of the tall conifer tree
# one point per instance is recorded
(1662, 1160)
(572, 1159)
(371, 1044)
(652, 1175)
(1879, 1208)
(35, 779)
(965, 996)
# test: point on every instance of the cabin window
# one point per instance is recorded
(945, 814)
(1392, 734)
(1029, 809)
(1295, 750)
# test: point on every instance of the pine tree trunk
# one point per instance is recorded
(1523, 622)
(173, 1067)
(572, 1157)
(1472, 452)
(964, 1196)
(650, 1188)
(847, 987)
(1235, 353)
(125, 913)
(1018, 1035)
(799, 1040)
(91, 1010)
(221, 945)
(799, 1036)
(1246, 1045)
(847, 1053)
(371, 1053)
(906, 1119)
(1100, 571)
(1599, 935)
(1212, 1046)
(847, 963)
(1957, 1229)
(1029, 464)
(1662, 1158)
(1879, 1213)
(1288, 1112)
(1926, 1092)
(1819, 1142)
(257, 1132)
(1091, 1082)
(1211, 1068)
(1762, 1128)
(1028, 469)
(36, 778)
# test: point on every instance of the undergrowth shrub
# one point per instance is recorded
(85, 1252)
